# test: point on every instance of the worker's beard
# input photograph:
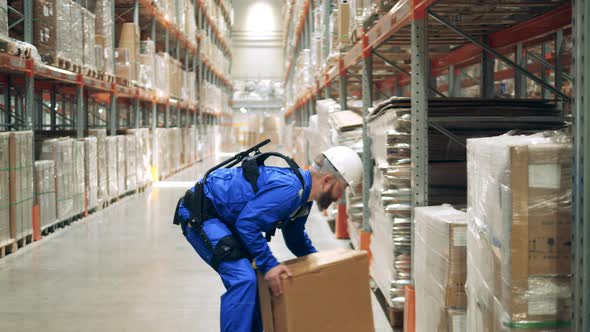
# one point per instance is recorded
(325, 199)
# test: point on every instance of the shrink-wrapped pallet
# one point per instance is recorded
(4, 188)
(89, 36)
(121, 148)
(78, 181)
(51, 29)
(143, 155)
(130, 162)
(21, 182)
(147, 50)
(3, 20)
(161, 73)
(91, 171)
(60, 150)
(76, 34)
(104, 33)
(440, 265)
(163, 151)
(113, 184)
(519, 235)
(176, 146)
(101, 164)
(45, 192)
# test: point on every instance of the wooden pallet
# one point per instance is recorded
(103, 76)
(124, 82)
(25, 240)
(395, 316)
(90, 72)
(7, 247)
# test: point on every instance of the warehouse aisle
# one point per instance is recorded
(124, 269)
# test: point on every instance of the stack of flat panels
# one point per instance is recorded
(130, 162)
(112, 182)
(91, 171)
(79, 188)
(121, 143)
(390, 129)
(20, 147)
(101, 159)
(60, 151)
(45, 192)
(4, 189)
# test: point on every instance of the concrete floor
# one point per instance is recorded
(126, 268)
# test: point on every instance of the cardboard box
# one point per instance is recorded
(328, 291)
(440, 263)
(20, 148)
(343, 23)
(45, 192)
(60, 150)
(520, 226)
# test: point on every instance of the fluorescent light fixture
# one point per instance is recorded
(243, 110)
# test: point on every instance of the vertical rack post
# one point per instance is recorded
(29, 119)
(343, 85)
(113, 96)
(419, 143)
(487, 74)
(519, 79)
(53, 111)
(167, 50)
(367, 87)
(581, 171)
(80, 108)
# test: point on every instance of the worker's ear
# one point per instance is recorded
(326, 180)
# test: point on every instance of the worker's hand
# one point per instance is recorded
(273, 278)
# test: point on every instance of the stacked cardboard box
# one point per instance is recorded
(102, 169)
(4, 188)
(128, 50)
(327, 291)
(519, 239)
(147, 50)
(112, 182)
(51, 27)
(130, 162)
(440, 265)
(89, 38)
(143, 155)
(45, 192)
(20, 147)
(76, 33)
(121, 148)
(60, 151)
(91, 171)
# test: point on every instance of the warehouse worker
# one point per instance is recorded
(240, 204)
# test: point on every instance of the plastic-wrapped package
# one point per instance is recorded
(3, 19)
(51, 29)
(78, 181)
(89, 36)
(45, 192)
(143, 155)
(130, 162)
(129, 39)
(20, 145)
(121, 160)
(91, 171)
(163, 151)
(146, 64)
(176, 149)
(4, 188)
(76, 34)
(519, 238)
(111, 158)
(123, 62)
(60, 150)
(161, 73)
(101, 162)
(104, 34)
(440, 267)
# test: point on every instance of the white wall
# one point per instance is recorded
(257, 39)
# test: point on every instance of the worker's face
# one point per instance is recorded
(332, 191)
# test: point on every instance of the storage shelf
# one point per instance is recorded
(298, 31)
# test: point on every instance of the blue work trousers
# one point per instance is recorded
(240, 309)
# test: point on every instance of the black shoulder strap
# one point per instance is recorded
(250, 168)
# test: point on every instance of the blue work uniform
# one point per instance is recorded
(246, 215)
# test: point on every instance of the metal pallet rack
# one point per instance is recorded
(33, 90)
(428, 48)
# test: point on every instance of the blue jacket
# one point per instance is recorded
(279, 196)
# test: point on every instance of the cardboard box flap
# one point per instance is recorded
(322, 260)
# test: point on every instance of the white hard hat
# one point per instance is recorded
(347, 163)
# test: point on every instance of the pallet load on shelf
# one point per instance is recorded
(45, 195)
(121, 144)
(51, 30)
(145, 76)
(3, 21)
(161, 73)
(272, 126)
(112, 165)
(143, 155)
(175, 141)
(519, 236)
(189, 88)
(188, 145)
(76, 32)
(91, 171)
(60, 151)
(4, 189)
(104, 36)
(163, 152)
(440, 269)
(101, 164)
(130, 162)
(20, 145)
(318, 133)
(128, 48)
(78, 179)
(89, 39)
(175, 77)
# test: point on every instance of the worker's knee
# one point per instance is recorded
(238, 275)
